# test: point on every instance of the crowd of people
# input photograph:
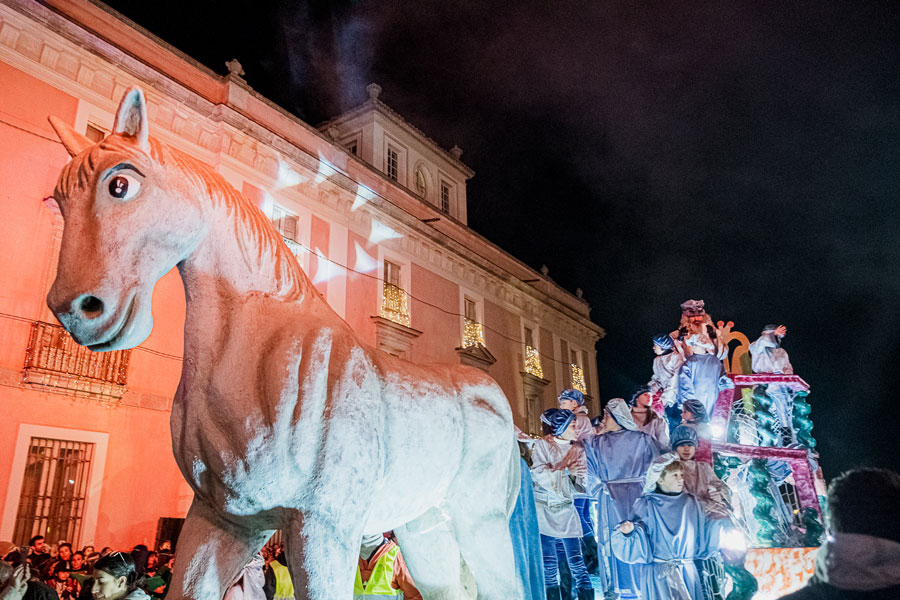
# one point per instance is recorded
(624, 496)
(58, 571)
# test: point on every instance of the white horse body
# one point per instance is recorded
(282, 419)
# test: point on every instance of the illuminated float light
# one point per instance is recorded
(381, 232)
(364, 263)
(718, 430)
(325, 270)
(287, 176)
(733, 539)
(363, 195)
(326, 170)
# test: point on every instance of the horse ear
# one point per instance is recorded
(73, 141)
(131, 118)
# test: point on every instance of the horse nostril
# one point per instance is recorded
(92, 307)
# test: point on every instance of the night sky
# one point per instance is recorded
(745, 153)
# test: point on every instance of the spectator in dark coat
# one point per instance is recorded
(860, 559)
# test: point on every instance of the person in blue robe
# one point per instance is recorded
(617, 462)
(666, 535)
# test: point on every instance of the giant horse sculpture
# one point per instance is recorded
(282, 418)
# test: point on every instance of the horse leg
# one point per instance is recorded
(430, 550)
(485, 544)
(322, 553)
(211, 553)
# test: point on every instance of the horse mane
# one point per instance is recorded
(256, 239)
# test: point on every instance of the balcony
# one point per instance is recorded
(54, 361)
(473, 334)
(533, 362)
(578, 379)
(395, 304)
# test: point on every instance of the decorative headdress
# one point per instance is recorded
(654, 473)
(621, 413)
(572, 394)
(558, 419)
(664, 341)
(683, 435)
(693, 308)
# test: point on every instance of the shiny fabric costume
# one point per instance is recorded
(617, 462)
(702, 375)
(769, 357)
(670, 533)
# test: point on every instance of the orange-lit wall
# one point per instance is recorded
(140, 482)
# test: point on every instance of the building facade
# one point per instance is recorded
(374, 211)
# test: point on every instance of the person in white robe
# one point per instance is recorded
(558, 469)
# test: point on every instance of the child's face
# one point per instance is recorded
(686, 415)
(568, 404)
(643, 401)
(672, 482)
(657, 350)
(686, 451)
(569, 433)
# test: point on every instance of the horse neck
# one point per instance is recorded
(239, 260)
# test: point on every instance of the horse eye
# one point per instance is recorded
(124, 187)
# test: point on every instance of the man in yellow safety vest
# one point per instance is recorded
(382, 571)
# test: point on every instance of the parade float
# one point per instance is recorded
(762, 447)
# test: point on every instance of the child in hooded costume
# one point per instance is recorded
(556, 462)
(647, 419)
(618, 460)
(699, 477)
(702, 375)
(668, 532)
(666, 366)
(573, 400)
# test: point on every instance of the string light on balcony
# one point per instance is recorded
(533, 362)
(578, 379)
(394, 304)
(473, 335)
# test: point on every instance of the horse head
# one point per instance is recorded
(129, 218)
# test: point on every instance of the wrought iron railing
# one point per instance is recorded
(394, 304)
(55, 361)
(533, 362)
(473, 335)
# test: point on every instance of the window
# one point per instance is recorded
(471, 310)
(54, 490)
(445, 197)
(393, 164)
(353, 148)
(529, 337)
(94, 133)
(285, 223)
(391, 273)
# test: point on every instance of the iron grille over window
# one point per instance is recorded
(54, 490)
